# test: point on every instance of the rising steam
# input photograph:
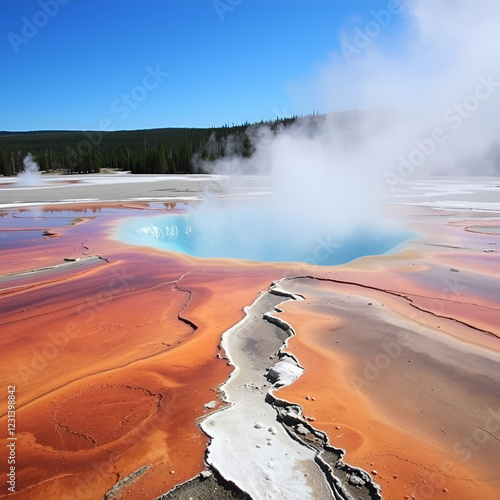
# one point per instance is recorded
(441, 77)
(31, 175)
(431, 107)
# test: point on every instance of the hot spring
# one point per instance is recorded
(31, 175)
(257, 235)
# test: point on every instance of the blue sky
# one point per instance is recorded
(130, 64)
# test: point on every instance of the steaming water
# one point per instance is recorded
(252, 235)
(31, 176)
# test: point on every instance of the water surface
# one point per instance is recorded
(255, 236)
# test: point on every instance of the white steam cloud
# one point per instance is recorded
(31, 175)
(430, 106)
(441, 75)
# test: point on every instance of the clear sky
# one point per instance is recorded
(132, 64)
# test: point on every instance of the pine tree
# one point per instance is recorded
(43, 163)
(5, 164)
(94, 162)
(162, 167)
(247, 148)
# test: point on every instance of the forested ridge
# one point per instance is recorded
(154, 151)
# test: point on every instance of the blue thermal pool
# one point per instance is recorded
(250, 235)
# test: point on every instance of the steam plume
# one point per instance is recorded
(429, 107)
(30, 176)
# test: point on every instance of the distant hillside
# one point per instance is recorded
(38, 132)
(167, 150)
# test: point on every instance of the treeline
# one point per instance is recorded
(155, 151)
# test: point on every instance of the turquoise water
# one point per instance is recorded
(252, 236)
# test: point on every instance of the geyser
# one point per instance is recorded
(249, 233)
(31, 175)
